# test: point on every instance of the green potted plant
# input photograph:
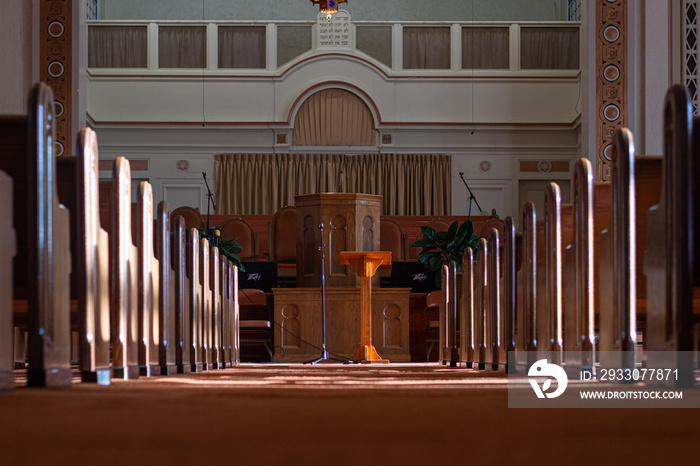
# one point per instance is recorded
(228, 248)
(441, 247)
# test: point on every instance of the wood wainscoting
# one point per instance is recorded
(299, 329)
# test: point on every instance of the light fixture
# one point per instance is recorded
(328, 6)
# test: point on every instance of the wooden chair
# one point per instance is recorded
(255, 321)
(193, 218)
(493, 222)
(393, 239)
(439, 224)
(282, 243)
(431, 320)
(241, 231)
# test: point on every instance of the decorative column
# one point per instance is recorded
(56, 65)
(611, 75)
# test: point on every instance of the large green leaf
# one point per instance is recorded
(424, 243)
(440, 247)
(228, 248)
(452, 231)
(428, 233)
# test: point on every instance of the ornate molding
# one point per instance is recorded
(55, 61)
(611, 73)
(691, 8)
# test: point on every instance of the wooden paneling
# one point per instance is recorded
(298, 312)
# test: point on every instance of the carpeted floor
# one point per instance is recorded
(401, 414)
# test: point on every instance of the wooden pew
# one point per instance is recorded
(449, 350)
(467, 306)
(148, 284)
(226, 314)
(123, 277)
(481, 305)
(618, 264)
(195, 301)
(670, 259)
(235, 315)
(495, 355)
(205, 304)
(42, 264)
(7, 253)
(91, 246)
(509, 305)
(167, 302)
(216, 345)
(549, 278)
(183, 300)
(526, 317)
(578, 270)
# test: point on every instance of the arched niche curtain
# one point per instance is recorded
(333, 117)
(250, 184)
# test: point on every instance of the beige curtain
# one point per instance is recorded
(426, 48)
(117, 47)
(182, 47)
(549, 48)
(485, 48)
(250, 184)
(241, 47)
(334, 117)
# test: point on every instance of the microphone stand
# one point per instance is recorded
(471, 196)
(324, 356)
(210, 199)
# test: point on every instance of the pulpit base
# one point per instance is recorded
(368, 355)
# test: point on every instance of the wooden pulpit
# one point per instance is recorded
(351, 223)
(365, 265)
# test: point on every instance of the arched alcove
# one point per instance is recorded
(333, 117)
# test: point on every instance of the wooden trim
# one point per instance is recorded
(55, 67)
(611, 72)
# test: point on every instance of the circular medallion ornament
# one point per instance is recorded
(607, 152)
(611, 33)
(485, 166)
(56, 29)
(58, 108)
(611, 73)
(55, 69)
(544, 166)
(611, 112)
(183, 165)
(58, 147)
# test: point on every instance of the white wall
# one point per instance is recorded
(15, 55)
(515, 119)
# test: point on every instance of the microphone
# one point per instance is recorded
(461, 173)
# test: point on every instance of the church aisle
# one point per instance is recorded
(324, 414)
